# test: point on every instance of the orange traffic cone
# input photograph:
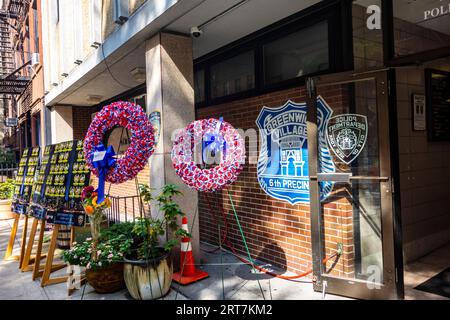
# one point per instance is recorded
(188, 273)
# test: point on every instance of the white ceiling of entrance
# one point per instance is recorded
(245, 19)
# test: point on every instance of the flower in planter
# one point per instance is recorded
(107, 251)
(93, 209)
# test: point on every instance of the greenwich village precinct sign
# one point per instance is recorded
(283, 158)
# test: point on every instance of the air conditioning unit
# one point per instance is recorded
(35, 60)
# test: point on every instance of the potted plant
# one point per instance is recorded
(6, 193)
(148, 266)
(103, 261)
(102, 254)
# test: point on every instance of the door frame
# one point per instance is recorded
(392, 287)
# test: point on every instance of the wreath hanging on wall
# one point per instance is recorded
(132, 117)
(232, 157)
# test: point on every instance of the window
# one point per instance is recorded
(234, 75)
(95, 27)
(58, 14)
(199, 85)
(298, 54)
(420, 26)
(120, 11)
(36, 31)
(279, 56)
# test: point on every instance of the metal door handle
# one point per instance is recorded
(334, 177)
(370, 178)
(344, 178)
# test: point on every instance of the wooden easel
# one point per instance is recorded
(12, 240)
(28, 259)
(49, 267)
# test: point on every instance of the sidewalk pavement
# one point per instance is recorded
(239, 283)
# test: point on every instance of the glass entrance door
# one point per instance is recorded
(350, 186)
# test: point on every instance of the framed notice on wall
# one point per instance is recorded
(419, 112)
(438, 104)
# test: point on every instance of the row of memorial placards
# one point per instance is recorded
(52, 188)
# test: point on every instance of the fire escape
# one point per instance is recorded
(13, 79)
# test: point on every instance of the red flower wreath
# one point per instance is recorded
(132, 117)
(216, 178)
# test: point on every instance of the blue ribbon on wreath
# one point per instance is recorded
(213, 142)
(102, 165)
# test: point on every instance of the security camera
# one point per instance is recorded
(196, 32)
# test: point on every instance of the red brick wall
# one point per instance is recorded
(82, 117)
(276, 232)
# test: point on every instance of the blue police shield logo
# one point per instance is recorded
(283, 157)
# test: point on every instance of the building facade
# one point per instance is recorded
(26, 91)
(358, 177)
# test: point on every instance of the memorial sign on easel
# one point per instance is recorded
(57, 201)
(22, 192)
(25, 178)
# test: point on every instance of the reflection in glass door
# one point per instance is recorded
(351, 198)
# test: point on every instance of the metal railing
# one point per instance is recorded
(125, 208)
(7, 171)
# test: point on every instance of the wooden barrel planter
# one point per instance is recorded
(63, 240)
(148, 279)
(106, 280)
(5, 210)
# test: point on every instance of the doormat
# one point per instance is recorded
(439, 284)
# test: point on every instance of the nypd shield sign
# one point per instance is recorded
(283, 157)
(347, 136)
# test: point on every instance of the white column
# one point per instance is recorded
(170, 90)
(61, 124)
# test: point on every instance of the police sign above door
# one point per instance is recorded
(283, 158)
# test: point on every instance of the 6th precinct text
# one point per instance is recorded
(226, 309)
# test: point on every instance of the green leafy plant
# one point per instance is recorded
(148, 230)
(7, 157)
(6, 189)
(139, 239)
(115, 230)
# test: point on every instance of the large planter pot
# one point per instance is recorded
(106, 280)
(5, 210)
(148, 279)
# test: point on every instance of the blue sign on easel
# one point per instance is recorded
(38, 212)
(283, 157)
(19, 208)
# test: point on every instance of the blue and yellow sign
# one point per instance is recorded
(283, 157)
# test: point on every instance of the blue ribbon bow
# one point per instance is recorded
(103, 166)
(214, 142)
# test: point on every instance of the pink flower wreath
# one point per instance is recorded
(212, 179)
(132, 117)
